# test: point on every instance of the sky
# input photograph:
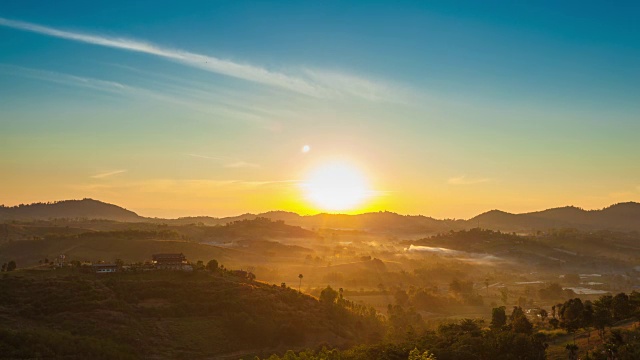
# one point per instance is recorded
(446, 109)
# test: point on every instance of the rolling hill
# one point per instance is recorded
(622, 217)
(85, 208)
(165, 315)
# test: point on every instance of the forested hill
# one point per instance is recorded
(85, 208)
(622, 216)
(168, 315)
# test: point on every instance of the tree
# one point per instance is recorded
(416, 355)
(11, 265)
(571, 315)
(519, 322)
(620, 307)
(328, 295)
(543, 315)
(573, 351)
(498, 318)
(300, 284)
(601, 317)
(212, 265)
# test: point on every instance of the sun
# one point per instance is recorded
(336, 187)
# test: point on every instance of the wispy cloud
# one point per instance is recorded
(227, 161)
(242, 164)
(65, 79)
(201, 187)
(200, 105)
(463, 180)
(345, 84)
(217, 158)
(314, 83)
(107, 174)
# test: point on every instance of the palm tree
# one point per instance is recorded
(300, 285)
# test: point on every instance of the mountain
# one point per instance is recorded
(85, 208)
(622, 216)
(379, 222)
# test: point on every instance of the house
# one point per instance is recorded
(104, 268)
(169, 261)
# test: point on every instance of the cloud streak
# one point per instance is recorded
(228, 162)
(316, 83)
(209, 63)
(107, 174)
(66, 79)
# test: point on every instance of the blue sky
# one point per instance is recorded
(450, 108)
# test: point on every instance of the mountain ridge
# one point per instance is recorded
(619, 216)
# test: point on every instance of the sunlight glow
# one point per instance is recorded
(336, 187)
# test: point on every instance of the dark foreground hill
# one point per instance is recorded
(165, 315)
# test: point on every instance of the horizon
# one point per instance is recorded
(321, 213)
(439, 109)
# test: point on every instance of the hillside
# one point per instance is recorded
(138, 246)
(85, 208)
(623, 216)
(164, 315)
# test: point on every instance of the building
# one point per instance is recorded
(104, 268)
(169, 261)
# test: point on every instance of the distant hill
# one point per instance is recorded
(379, 222)
(622, 216)
(85, 208)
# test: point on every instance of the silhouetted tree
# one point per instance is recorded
(416, 355)
(573, 351)
(212, 265)
(498, 318)
(328, 295)
(519, 322)
(300, 284)
(571, 315)
(11, 265)
(543, 315)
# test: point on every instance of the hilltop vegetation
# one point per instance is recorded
(85, 208)
(165, 315)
